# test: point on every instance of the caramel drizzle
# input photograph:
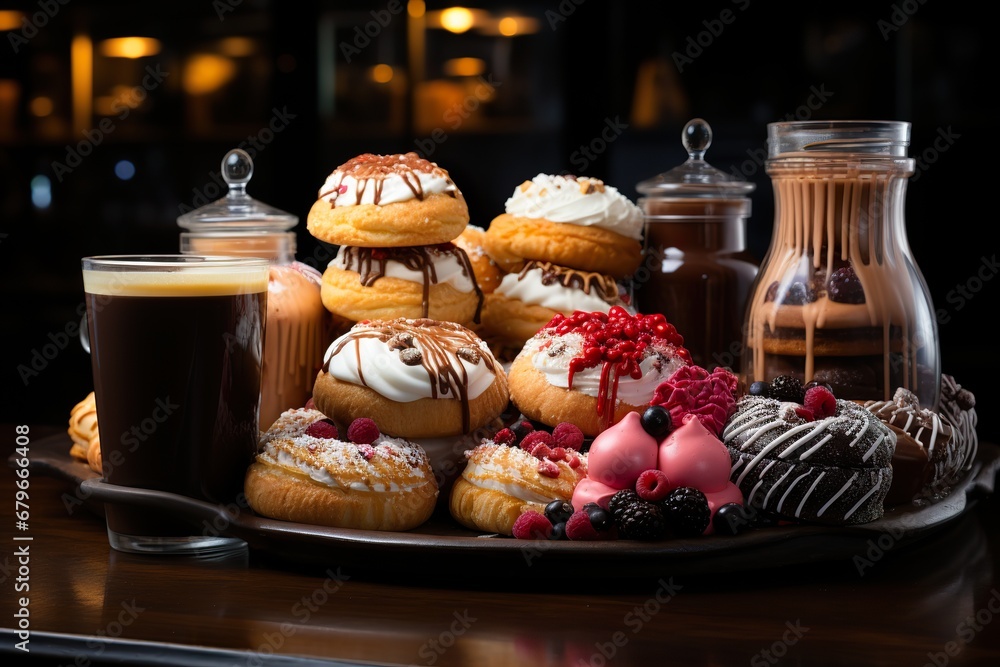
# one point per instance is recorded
(370, 168)
(587, 281)
(442, 345)
(370, 264)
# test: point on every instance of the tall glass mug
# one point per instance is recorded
(175, 344)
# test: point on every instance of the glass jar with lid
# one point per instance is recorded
(696, 269)
(297, 325)
(839, 298)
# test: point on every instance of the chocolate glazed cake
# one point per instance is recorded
(835, 470)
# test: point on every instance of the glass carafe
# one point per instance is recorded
(839, 298)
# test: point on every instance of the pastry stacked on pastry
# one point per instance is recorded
(306, 471)
(431, 381)
(394, 218)
(592, 368)
(566, 242)
(84, 433)
(933, 449)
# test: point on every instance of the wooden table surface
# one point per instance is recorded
(933, 603)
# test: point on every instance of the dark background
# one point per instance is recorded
(584, 66)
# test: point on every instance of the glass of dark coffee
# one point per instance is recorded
(176, 349)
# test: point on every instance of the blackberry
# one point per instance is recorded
(686, 511)
(641, 520)
(844, 286)
(620, 500)
(796, 294)
(787, 388)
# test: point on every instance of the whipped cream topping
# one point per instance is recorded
(578, 201)
(535, 286)
(553, 362)
(385, 179)
(447, 267)
(366, 356)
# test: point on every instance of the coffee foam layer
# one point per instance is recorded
(203, 282)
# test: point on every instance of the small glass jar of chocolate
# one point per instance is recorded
(696, 269)
(839, 298)
(297, 327)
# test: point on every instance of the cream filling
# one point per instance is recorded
(394, 188)
(531, 290)
(479, 476)
(447, 268)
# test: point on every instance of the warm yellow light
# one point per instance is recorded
(508, 26)
(237, 47)
(416, 8)
(41, 106)
(382, 73)
(207, 72)
(130, 47)
(464, 67)
(456, 19)
(12, 20)
(82, 67)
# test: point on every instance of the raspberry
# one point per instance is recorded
(578, 527)
(323, 428)
(541, 451)
(652, 485)
(362, 431)
(786, 388)
(548, 468)
(805, 413)
(686, 511)
(558, 454)
(568, 435)
(574, 461)
(821, 401)
(844, 286)
(532, 525)
(366, 451)
(505, 437)
(535, 438)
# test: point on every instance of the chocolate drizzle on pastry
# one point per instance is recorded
(371, 170)
(440, 347)
(370, 264)
(589, 282)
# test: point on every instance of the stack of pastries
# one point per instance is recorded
(566, 243)
(394, 218)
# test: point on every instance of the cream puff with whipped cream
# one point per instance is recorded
(417, 378)
(388, 201)
(527, 300)
(576, 222)
(592, 368)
